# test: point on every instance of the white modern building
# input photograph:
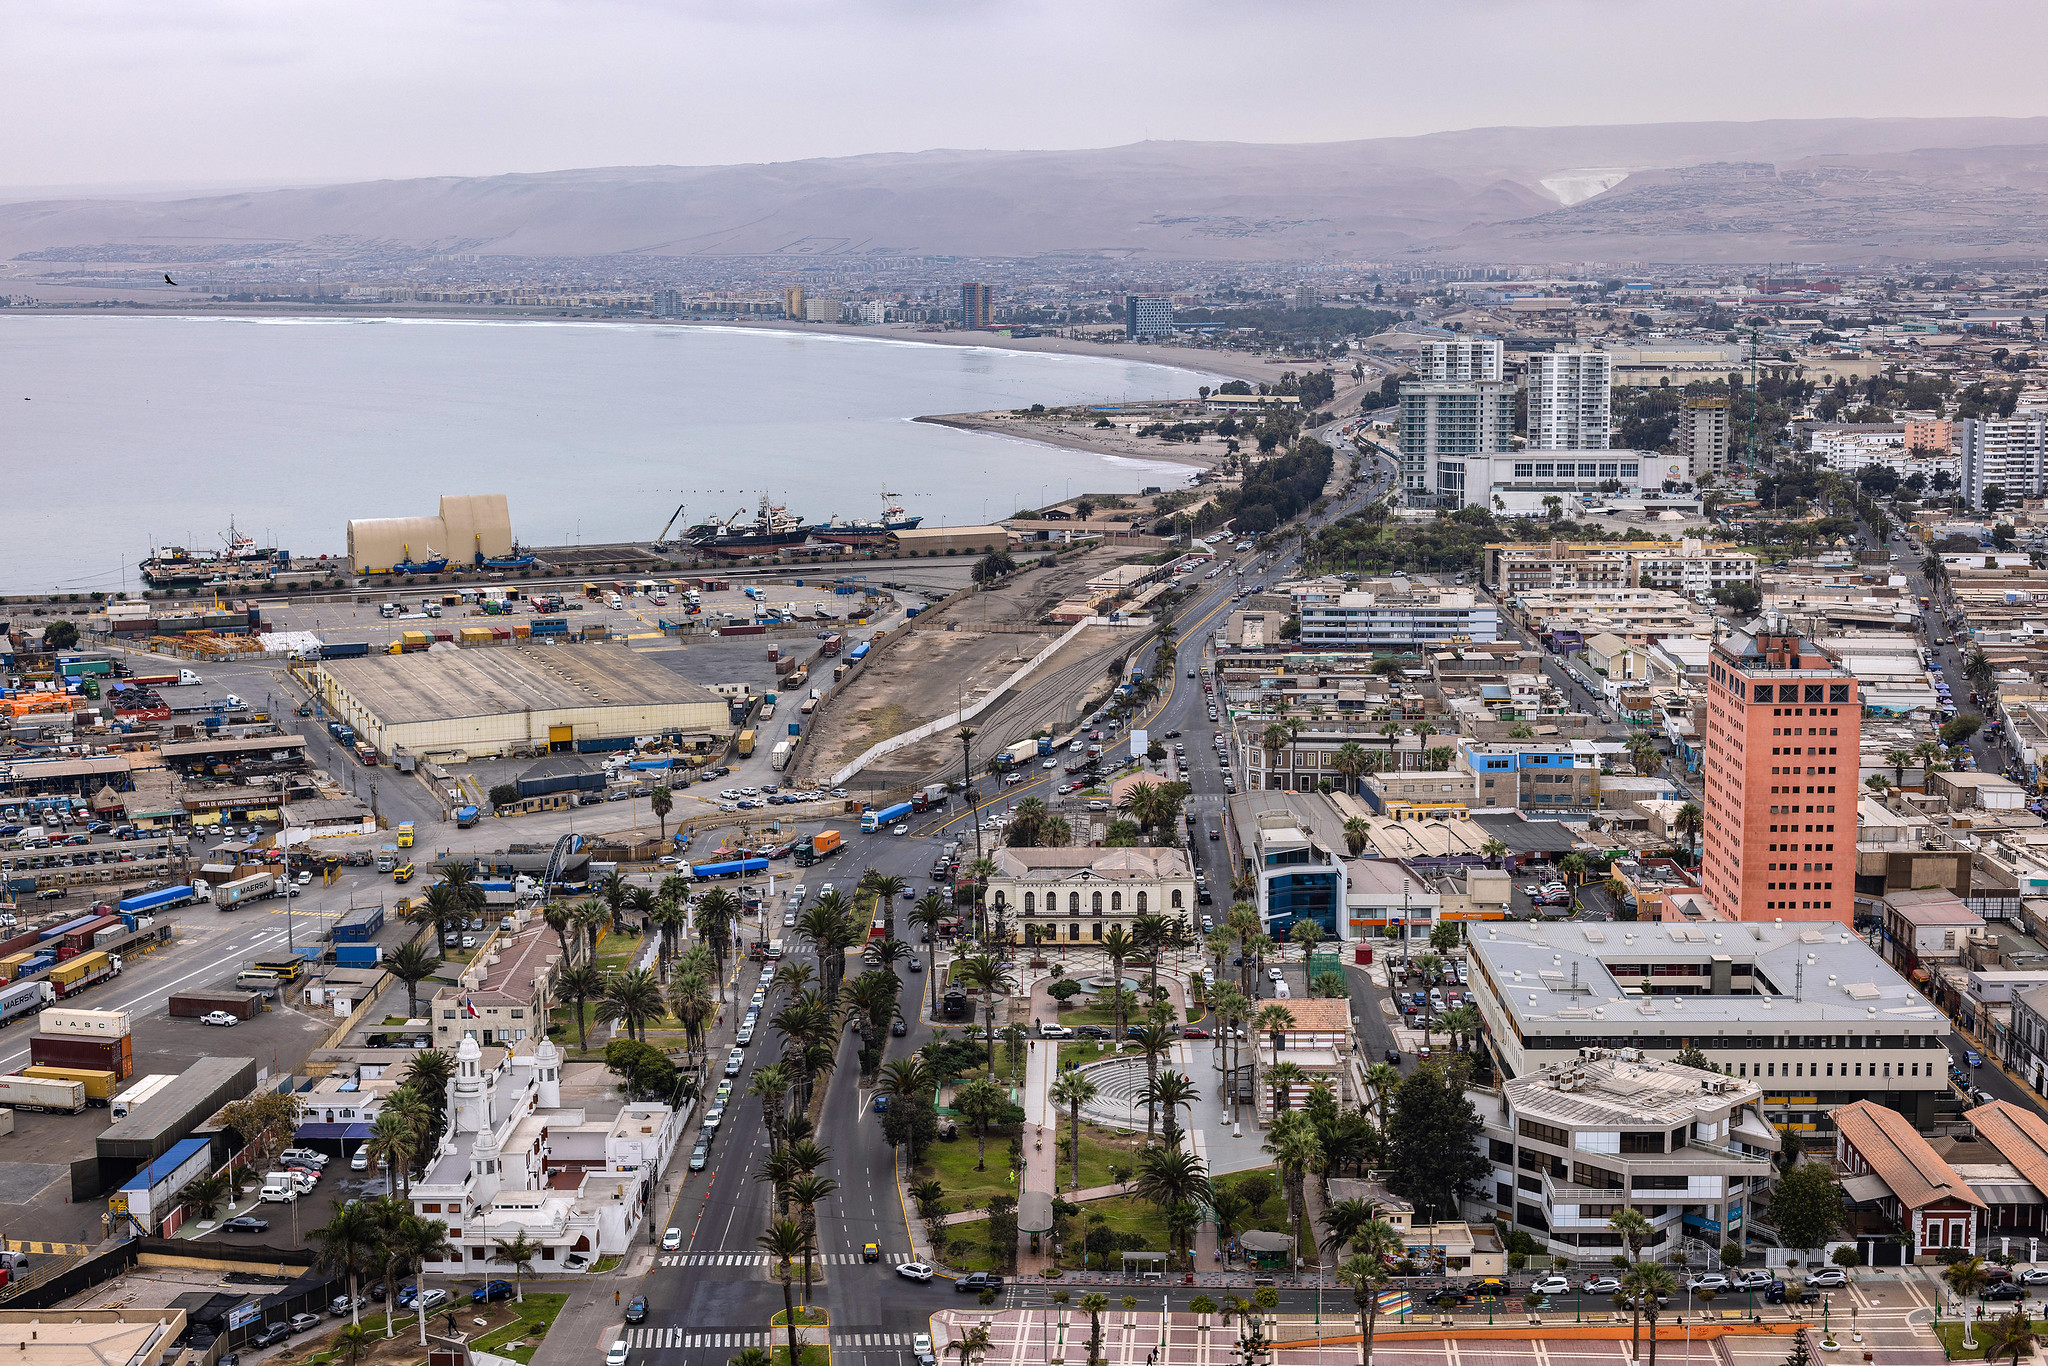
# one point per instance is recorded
(2010, 454)
(1693, 569)
(1604, 1130)
(1570, 401)
(1519, 482)
(1461, 360)
(1396, 614)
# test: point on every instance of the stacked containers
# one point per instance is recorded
(92, 1040)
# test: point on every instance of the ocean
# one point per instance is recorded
(124, 433)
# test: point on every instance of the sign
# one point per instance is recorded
(244, 1314)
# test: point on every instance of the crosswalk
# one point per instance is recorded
(677, 1339)
(749, 1259)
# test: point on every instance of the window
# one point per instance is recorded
(1116, 901)
(1073, 903)
(1095, 903)
(1141, 903)
(1176, 900)
(1525, 471)
(1029, 897)
(1546, 471)
(1097, 927)
(1544, 1133)
(1628, 469)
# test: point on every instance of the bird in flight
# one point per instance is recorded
(167, 278)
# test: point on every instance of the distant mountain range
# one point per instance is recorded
(1834, 190)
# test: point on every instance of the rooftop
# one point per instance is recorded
(1060, 865)
(440, 685)
(1900, 1157)
(1625, 1090)
(1558, 974)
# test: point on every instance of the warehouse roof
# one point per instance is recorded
(440, 685)
(258, 744)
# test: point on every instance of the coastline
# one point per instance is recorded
(1121, 448)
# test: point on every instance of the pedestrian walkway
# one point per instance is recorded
(761, 1258)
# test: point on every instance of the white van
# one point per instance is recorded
(279, 1188)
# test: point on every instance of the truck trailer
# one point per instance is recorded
(76, 974)
(162, 899)
(99, 1086)
(36, 1093)
(24, 999)
(871, 821)
(254, 887)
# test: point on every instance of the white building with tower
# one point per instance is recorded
(515, 1160)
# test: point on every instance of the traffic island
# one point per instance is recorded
(813, 1337)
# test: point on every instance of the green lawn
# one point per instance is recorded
(967, 1247)
(536, 1316)
(1124, 1214)
(952, 1165)
(813, 1356)
(1949, 1330)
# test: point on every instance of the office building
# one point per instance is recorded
(1296, 876)
(1604, 1130)
(1529, 483)
(1445, 423)
(975, 309)
(823, 310)
(793, 302)
(1784, 732)
(1569, 401)
(2009, 454)
(1805, 1009)
(1702, 436)
(1148, 315)
(1396, 615)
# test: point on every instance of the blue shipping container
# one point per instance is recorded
(359, 925)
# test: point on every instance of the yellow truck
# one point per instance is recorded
(746, 744)
(402, 873)
(405, 834)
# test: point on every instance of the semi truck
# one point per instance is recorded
(746, 744)
(871, 821)
(24, 998)
(165, 678)
(99, 1086)
(162, 899)
(255, 887)
(931, 798)
(821, 845)
(37, 1093)
(778, 758)
(387, 858)
(465, 817)
(1023, 751)
(405, 834)
(351, 649)
(74, 975)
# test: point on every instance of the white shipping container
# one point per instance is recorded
(91, 1024)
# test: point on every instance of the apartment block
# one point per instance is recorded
(1148, 315)
(1570, 401)
(1397, 615)
(1784, 732)
(975, 308)
(1702, 436)
(1461, 360)
(2009, 454)
(1443, 422)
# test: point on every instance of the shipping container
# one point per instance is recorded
(96, 1055)
(357, 955)
(163, 899)
(99, 1086)
(75, 975)
(36, 1093)
(190, 1005)
(85, 1024)
(24, 999)
(142, 1089)
(359, 925)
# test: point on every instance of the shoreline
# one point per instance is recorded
(1012, 429)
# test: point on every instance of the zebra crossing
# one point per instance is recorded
(749, 1259)
(658, 1339)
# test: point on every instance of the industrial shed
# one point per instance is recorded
(561, 773)
(467, 524)
(495, 701)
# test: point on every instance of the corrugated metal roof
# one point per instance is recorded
(1900, 1157)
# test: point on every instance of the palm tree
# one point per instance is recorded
(1292, 1141)
(394, 1140)
(1642, 1285)
(661, 801)
(981, 1101)
(1633, 1227)
(689, 1000)
(1495, 850)
(633, 998)
(1155, 1043)
(1349, 760)
(419, 1118)
(1365, 1271)
(807, 1192)
(1273, 739)
(930, 909)
(2012, 1336)
(1966, 1278)
(581, 985)
(348, 1243)
(1384, 1078)
(352, 1341)
(771, 1083)
(1168, 1092)
(784, 1242)
(422, 1241)
(1689, 822)
(1073, 1090)
(1282, 1078)
(670, 918)
(518, 1253)
(413, 964)
(989, 975)
(751, 1356)
(1092, 1305)
(1171, 1176)
(972, 1346)
(1119, 948)
(591, 917)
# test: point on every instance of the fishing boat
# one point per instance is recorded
(875, 532)
(433, 564)
(174, 566)
(774, 528)
(513, 561)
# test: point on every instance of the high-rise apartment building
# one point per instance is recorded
(793, 302)
(1461, 359)
(1702, 436)
(1444, 422)
(1570, 407)
(1148, 315)
(975, 310)
(1784, 732)
(2009, 454)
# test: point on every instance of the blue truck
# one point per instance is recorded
(465, 816)
(162, 899)
(359, 925)
(1044, 745)
(859, 652)
(729, 867)
(342, 732)
(348, 649)
(871, 821)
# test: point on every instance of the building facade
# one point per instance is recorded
(1443, 423)
(2009, 454)
(1393, 620)
(1570, 401)
(1148, 315)
(975, 309)
(1296, 876)
(1784, 731)
(1702, 436)
(1074, 896)
(1462, 360)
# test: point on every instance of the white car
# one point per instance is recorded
(1276, 974)
(921, 1345)
(1054, 1031)
(304, 878)
(914, 1271)
(1712, 1280)
(1050, 763)
(1551, 1285)
(616, 1354)
(671, 1240)
(434, 1299)
(900, 830)
(220, 1017)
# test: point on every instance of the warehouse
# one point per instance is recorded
(167, 1118)
(469, 525)
(496, 701)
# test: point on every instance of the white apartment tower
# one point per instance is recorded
(1569, 405)
(1458, 406)
(1461, 360)
(2010, 454)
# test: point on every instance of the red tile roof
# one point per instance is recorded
(1901, 1158)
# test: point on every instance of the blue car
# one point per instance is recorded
(1970, 1056)
(491, 1290)
(881, 1105)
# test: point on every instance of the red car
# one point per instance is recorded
(1194, 1033)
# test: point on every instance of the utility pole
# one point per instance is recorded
(967, 779)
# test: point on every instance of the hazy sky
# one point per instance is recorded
(184, 92)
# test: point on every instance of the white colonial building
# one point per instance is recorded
(514, 1160)
(1075, 895)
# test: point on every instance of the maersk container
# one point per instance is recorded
(24, 999)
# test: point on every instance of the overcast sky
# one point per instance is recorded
(210, 92)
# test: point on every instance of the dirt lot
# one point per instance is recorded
(957, 652)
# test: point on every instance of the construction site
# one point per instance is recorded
(970, 649)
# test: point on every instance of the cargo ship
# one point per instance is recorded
(774, 528)
(173, 566)
(891, 521)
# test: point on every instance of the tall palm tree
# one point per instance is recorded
(613, 889)
(1155, 1042)
(592, 917)
(1965, 1278)
(784, 1242)
(1292, 1141)
(1349, 760)
(989, 975)
(423, 1240)
(930, 909)
(1690, 821)
(870, 1002)
(807, 1192)
(347, 1243)
(1073, 1090)
(410, 1111)
(1169, 1177)
(1494, 850)
(633, 998)
(1634, 1228)
(1119, 948)
(771, 1083)
(2011, 1335)
(394, 1139)
(661, 801)
(1092, 1305)
(1167, 1093)
(1365, 1271)
(580, 986)
(689, 1000)
(670, 918)
(1384, 1078)
(517, 1252)
(1356, 833)
(1642, 1285)
(1281, 1079)
(413, 964)
(560, 918)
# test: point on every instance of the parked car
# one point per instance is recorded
(271, 1335)
(433, 1299)
(243, 1223)
(491, 1290)
(220, 1017)
(341, 1306)
(2011, 1290)
(1754, 1279)
(1551, 1285)
(1711, 1280)
(700, 1155)
(1833, 1277)
(303, 1322)
(1601, 1285)
(1775, 1293)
